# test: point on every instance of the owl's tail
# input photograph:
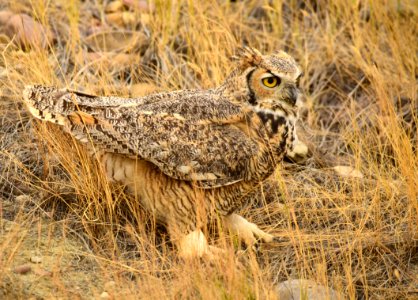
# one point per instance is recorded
(74, 112)
(59, 106)
(46, 103)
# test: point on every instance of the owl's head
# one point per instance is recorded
(264, 81)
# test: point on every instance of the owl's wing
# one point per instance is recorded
(196, 137)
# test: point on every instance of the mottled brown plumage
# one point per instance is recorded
(188, 154)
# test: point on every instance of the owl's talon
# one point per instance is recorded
(256, 247)
(300, 152)
(247, 231)
(195, 245)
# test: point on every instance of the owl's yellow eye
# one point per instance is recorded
(270, 82)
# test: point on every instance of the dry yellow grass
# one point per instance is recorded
(356, 235)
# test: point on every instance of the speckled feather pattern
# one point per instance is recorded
(173, 148)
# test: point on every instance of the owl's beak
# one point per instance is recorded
(291, 95)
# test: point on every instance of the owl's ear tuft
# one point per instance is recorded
(247, 56)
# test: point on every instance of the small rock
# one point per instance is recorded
(114, 6)
(21, 199)
(104, 295)
(128, 18)
(397, 274)
(120, 19)
(42, 272)
(27, 32)
(23, 269)
(110, 286)
(348, 171)
(5, 16)
(298, 289)
(114, 41)
(36, 259)
(115, 19)
(140, 5)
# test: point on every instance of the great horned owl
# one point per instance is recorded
(189, 154)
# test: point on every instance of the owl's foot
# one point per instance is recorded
(195, 245)
(299, 153)
(247, 231)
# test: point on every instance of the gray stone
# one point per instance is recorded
(302, 289)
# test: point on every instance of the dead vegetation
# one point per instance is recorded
(356, 234)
